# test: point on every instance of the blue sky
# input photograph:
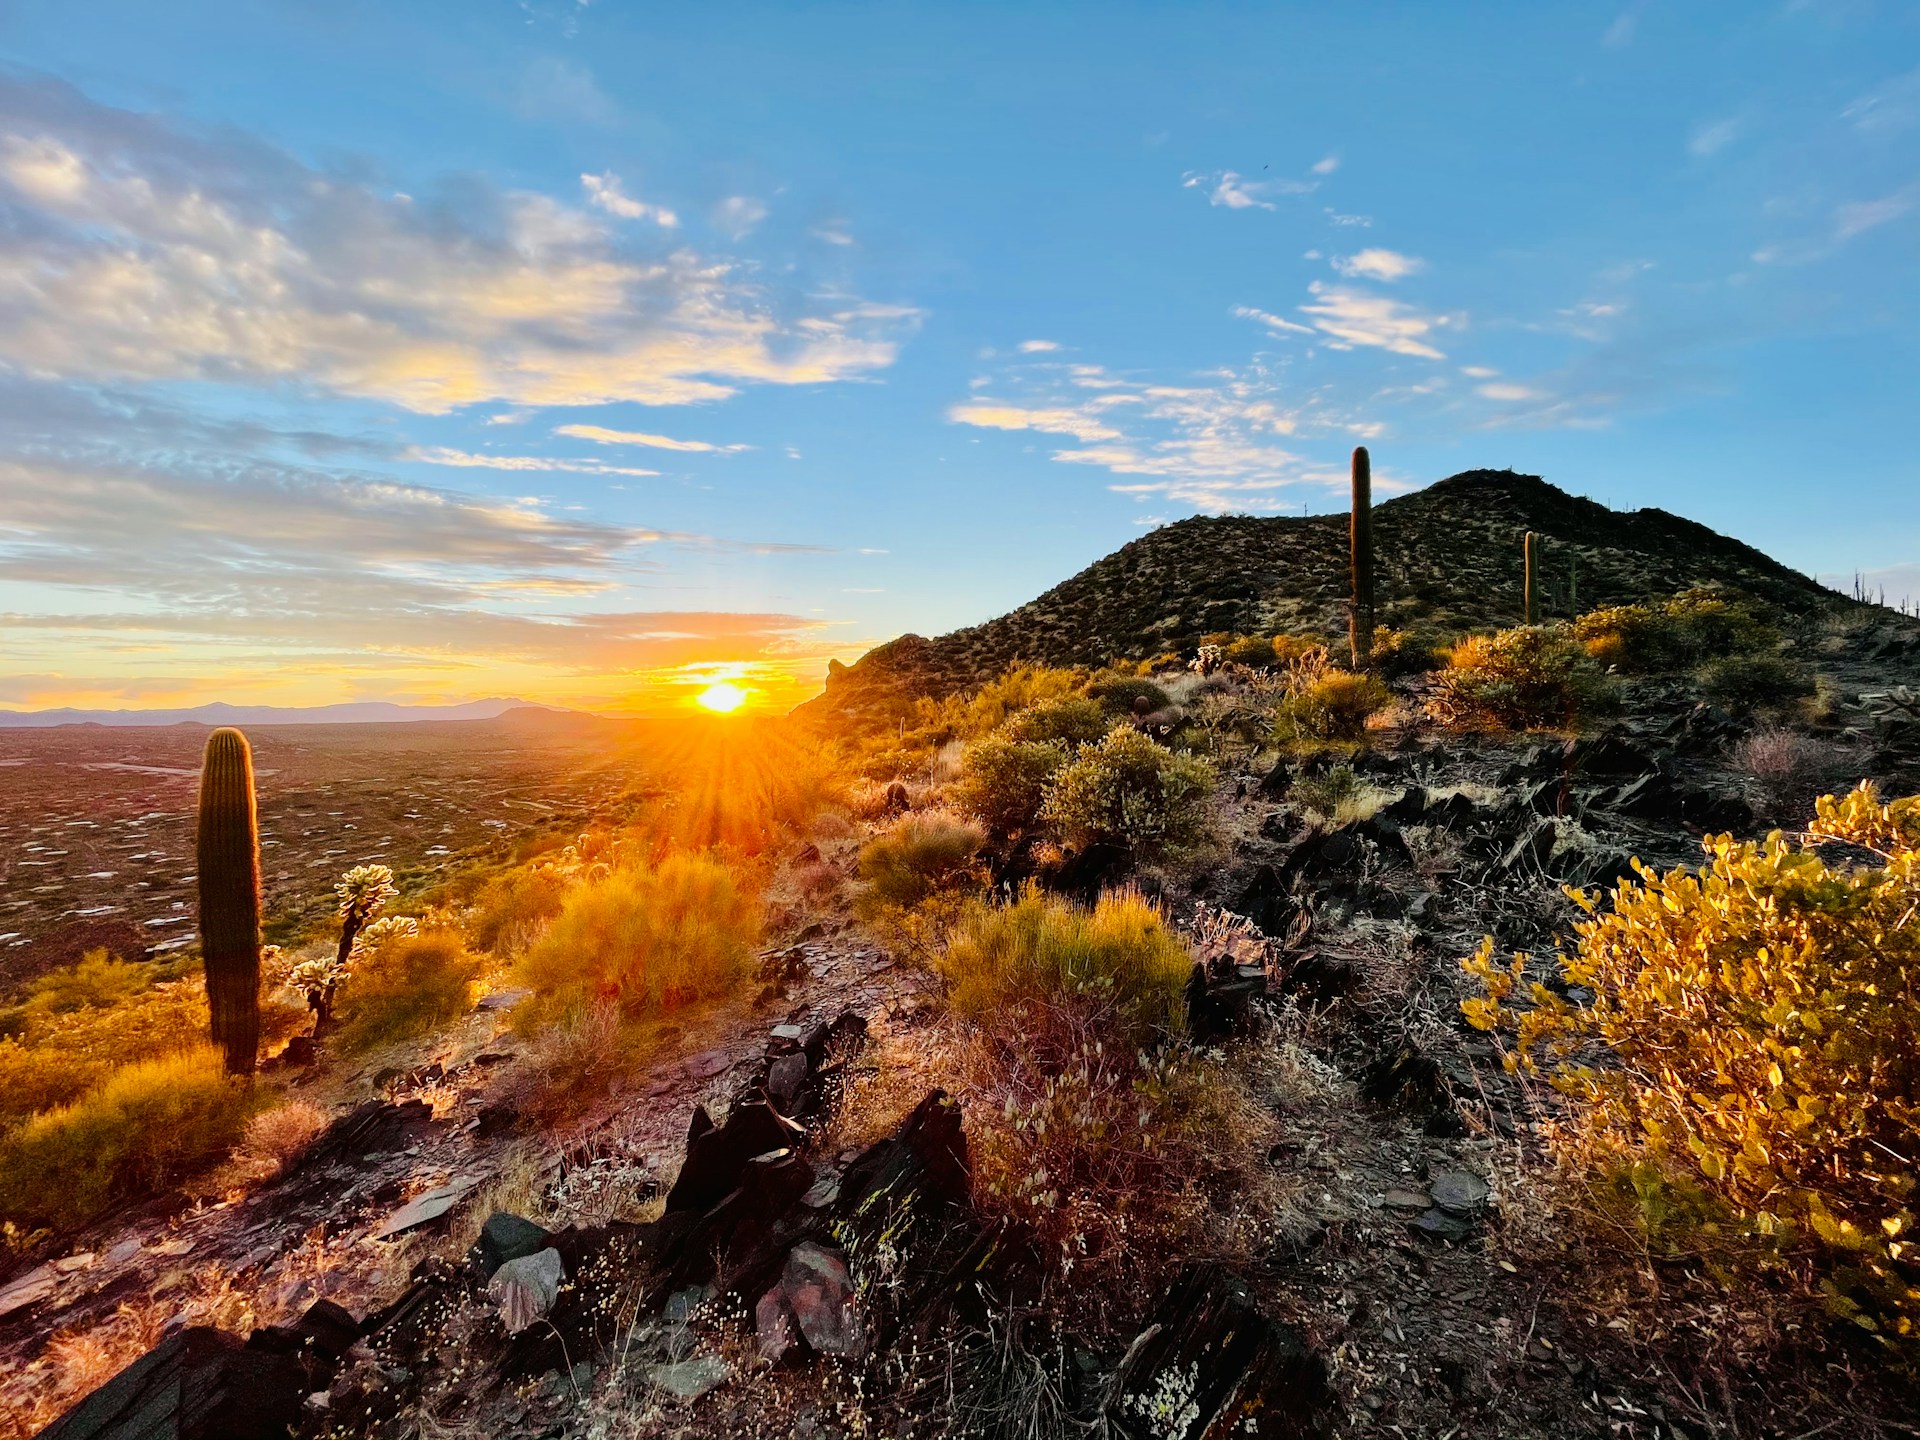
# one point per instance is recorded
(586, 352)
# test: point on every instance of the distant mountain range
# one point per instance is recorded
(361, 712)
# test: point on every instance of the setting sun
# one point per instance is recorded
(723, 698)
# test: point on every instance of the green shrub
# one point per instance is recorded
(922, 855)
(1328, 792)
(406, 985)
(1675, 634)
(1406, 652)
(1333, 707)
(1752, 682)
(1532, 677)
(143, 1127)
(1119, 695)
(1126, 790)
(1120, 954)
(1019, 687)
(1072, 721)
(645, 939)
(1003, 782)
(1761, 1020)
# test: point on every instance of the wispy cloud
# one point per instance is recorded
(1348, 317)
(1378, 264)
(471, 460)
(143, 250)
(1892, 108)
(601, 435)
(990, 415)
(739, 214)
(1710, 139)
(1035, 347)
(1233, 191)
(604, 191)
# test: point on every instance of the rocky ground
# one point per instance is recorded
(704, 1253)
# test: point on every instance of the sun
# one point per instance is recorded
(722, 698)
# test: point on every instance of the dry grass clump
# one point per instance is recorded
(1532, 677)
(145, 1125)
(1764, 1083)
(645, 939)
(404, 986)
(1788, 768)
(1093, 1127)
(274, 1139)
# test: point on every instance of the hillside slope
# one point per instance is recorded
(1448, 556)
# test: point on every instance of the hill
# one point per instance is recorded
(1448, 557)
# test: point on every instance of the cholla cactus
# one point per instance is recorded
(379, 932)
(362, 891)
(1207, 661)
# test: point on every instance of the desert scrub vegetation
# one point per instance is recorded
(1003, 781)
(1533, 677)
(1093, 1126)
(514, 908)
(1759, 1024)
(144, 1125)
(1745, 683)
(1677, 634)
(645, 939)
(1126, 790)
(405, 982)
(1331, 705)
(920, 856)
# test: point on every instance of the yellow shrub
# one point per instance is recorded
(1037, 949)
(1333, 707)
(146, 1125)
(1762, 1021)
(1695, 626)
(98, 980)
(37, 1078)
(645, 939)
(1532, 677)
(515, 907)
(404, 986)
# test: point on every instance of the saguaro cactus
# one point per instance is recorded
(227, 847)
(1526, 547)
(1360, 561)
(1573, 586)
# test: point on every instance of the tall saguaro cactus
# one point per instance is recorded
(227, 845)
(1526, 546)
(1360, 561)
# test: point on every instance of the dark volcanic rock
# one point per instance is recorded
(1210, 1364)
(201, 1384)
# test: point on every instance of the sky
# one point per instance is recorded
(589, 353)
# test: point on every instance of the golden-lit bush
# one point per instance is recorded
(34, 1078)
(1019, 687)
(1254, 651)
(1529, 678)
(146, 1125)
(406, 985)
(98, 980)
(1336, 706)
(922, 855)
(1128, 791)
(1694, 626)
(1292, 649)
(1761, 1021)
(514, 908)
(1406, 652)
(1119, 955)
(1003, 781)
(645, 939)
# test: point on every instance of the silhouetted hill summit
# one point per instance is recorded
(1448, 556)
